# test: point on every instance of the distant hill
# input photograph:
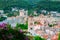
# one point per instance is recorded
(31, 4)
(49, 5)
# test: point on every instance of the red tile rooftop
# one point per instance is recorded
(55, 37)
(39, 32)
(57, 26)
(45, 36)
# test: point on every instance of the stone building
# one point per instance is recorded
(22, 18)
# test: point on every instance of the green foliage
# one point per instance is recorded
(38, 38)
(9, 26)
(48, 5)
(35, 22)
(29, 4)
(34, 5)
(30, 11)
(59, 36)
(9, 13)
(14, 13)
(52, 25)
(11, 34)
(22, 26)
(2, 18)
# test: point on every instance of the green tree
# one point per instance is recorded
(59, 36)
(38, 38)
(22, 26)
(2, 18)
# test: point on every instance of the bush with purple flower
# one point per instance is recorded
(7, 33)
(12, 34)
(3, 25)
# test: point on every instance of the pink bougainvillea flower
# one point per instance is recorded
(3, 25)
(20, 31)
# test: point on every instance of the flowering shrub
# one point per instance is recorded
(7, 33)
(12, 34)
(3, 25)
